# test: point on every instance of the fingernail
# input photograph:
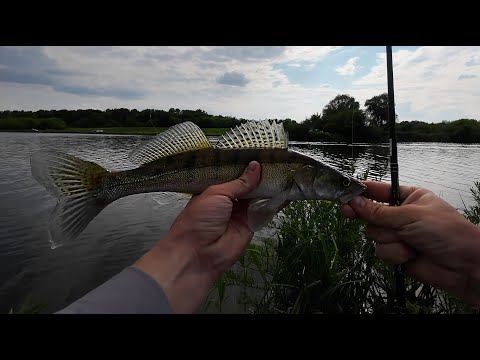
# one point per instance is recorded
(358, 201)
(252, 166)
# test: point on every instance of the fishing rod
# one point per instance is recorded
(395, 190)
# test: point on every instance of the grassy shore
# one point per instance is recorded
(126, 130)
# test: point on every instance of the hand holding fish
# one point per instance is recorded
(206, 239)
(436, 243)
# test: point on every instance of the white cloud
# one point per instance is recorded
(349, 67)
(306, 53)
(427, 81)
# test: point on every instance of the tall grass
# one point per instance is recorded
(472, 212)
(321, 262)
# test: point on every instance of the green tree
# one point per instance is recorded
(341, 102)
(341, 115)
(376, 109)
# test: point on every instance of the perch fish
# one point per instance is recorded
(182, 160)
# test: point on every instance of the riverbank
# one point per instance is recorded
(120, 131)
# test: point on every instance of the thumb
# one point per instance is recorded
(246, 183)
(379, 214)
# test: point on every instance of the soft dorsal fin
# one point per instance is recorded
(179, 138)
(255, 134)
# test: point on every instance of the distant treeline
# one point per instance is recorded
(60, 119)
(340, 120)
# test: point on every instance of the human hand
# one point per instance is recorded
(435, 242)
(206, 238)
(218, 221)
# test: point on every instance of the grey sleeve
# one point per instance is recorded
(130, 292)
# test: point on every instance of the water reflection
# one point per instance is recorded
(359, 158)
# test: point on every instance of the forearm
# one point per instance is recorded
(175, 267)
(166, 279)
(129, 292)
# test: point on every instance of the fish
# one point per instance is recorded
(182, 160)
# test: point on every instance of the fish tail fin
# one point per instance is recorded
(76, 184)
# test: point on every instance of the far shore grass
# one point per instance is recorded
(124, 130)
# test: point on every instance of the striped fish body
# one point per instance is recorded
(192, 172)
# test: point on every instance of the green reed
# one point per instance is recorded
(472, 213)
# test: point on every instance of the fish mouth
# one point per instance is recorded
(360, 189)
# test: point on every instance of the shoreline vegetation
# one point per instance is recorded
(342, 120)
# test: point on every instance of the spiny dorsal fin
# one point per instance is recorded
(178, 139)
(255, 134)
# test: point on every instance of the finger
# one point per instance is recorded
(438, 276)
(382, 235)
(347, 211)
(381, 191)
(381, 215)
(394, 253)
(225, 251)
(246, 183)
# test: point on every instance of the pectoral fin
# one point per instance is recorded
(262, 211)
(302, 177)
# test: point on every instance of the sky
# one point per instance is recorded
(431, 83)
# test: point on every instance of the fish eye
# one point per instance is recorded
(346, 182)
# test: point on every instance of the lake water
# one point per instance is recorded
(130, 226)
